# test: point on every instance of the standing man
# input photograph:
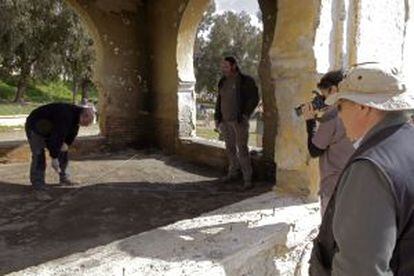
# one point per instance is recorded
(54, 127)
(368, 227)
(327, 138)
(237, 98)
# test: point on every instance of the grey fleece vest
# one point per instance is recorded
(392, 151)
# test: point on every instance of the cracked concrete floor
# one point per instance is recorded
(118, 195)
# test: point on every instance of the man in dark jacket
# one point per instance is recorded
(54, 127)
(237, 98)
(368, 226)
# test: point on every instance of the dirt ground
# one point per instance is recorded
(118, 195)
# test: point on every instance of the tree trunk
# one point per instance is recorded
(74, 90)
(22, 84)
(85, 90)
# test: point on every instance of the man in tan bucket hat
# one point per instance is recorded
(368, 227)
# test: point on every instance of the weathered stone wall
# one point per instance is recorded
(120, 73)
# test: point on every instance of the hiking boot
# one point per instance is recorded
(67, 182)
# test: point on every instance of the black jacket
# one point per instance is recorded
(247, 97)
(58, 123)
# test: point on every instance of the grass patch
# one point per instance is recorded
(37, 94)
(7, 91)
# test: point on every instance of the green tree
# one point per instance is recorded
(37, 38)
(78, 56)
(228, 34)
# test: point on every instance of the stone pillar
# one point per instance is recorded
(330, 36)
(408, 65)
(380, 31)
(121, 73)
(294, 74)
(186, 109)
(338, 35)
(173, 28)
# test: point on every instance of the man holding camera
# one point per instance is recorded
(326, 137)
(238, 97)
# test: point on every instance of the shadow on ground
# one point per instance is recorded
(33, 232)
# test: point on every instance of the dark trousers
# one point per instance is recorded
(38, 165)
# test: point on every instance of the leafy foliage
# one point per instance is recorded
(220, 35)
(42, 40)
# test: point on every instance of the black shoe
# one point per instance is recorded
(229, 178)
(41, 188)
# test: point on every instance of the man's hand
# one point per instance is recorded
(308, 111)
(64, 147)
(56, 165)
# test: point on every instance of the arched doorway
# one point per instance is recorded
(191, 18)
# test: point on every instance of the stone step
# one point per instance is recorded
(263, 235)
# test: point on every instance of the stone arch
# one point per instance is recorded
(187, 29)
(121, 68)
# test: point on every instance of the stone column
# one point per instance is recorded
(380, 30)
(408, 65)
(294, 74)
(121, 73)
(186, 109)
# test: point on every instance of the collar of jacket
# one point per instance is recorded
(391, 119)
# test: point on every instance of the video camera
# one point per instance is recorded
(318, 102)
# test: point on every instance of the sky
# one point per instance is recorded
(249, 6)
